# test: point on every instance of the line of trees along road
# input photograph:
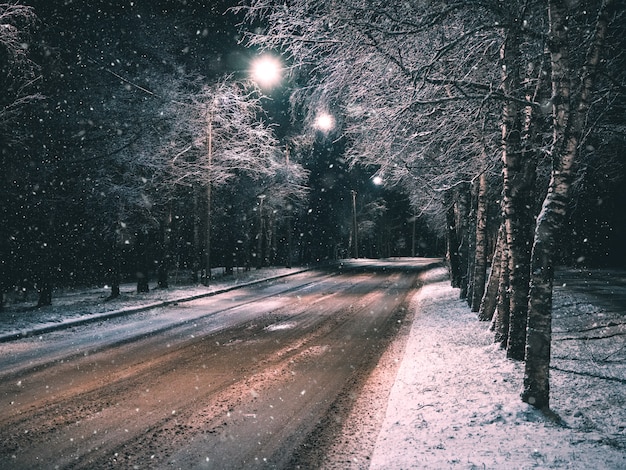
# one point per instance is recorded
(490, 115)
(131, 164)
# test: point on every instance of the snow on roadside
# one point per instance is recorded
(69, 305)
(455, 402)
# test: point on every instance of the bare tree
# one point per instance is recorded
(18, 77)
(219, 137)
(569, 114)
(18, 72)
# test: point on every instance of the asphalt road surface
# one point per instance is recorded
(261, 376)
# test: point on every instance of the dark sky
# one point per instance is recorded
(203, 36)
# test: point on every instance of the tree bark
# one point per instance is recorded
(567, 127)
(517, 201)
(501, 319)
(463, 204)
(452, 241)
(165, 255)
(471, 240)
(490, 297)
(480, 250)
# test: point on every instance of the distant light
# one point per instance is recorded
(324, 122)
(266, 71)
(377, 180)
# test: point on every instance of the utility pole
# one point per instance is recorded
(355, 226)
(260, 255)
(209, 144)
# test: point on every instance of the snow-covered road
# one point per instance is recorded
(260, 374)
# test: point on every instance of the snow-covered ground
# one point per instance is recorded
(70, 306)
(455, 399)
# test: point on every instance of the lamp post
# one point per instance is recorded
(209, 145)
(266, 72)
(260, 235)
(355, 226)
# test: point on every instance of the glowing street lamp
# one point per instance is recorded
(324, 122)
(266, 71)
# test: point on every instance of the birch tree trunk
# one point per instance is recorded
(501, 318)
(568, 125)
(517, 200)
(471, 240)
(480, 246)
(490, 297)
(463, 205)
(452, 240)
(207, 241)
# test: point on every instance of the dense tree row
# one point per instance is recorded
(494, 117)
(118, 162)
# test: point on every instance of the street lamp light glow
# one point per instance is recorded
(266, 71)
(324, 122)
(377, 180)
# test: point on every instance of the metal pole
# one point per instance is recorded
(356, 237)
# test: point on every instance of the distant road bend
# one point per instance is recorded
(236, 380)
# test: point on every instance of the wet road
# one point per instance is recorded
(232, 381)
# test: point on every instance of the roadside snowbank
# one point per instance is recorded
(455, 401)
(78, 305)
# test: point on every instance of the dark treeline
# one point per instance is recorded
(138, 146)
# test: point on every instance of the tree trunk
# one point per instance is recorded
(142, 264)
(463, 235)
(567, 126)
(501, 319)
(196, 248)
(517, 201)
(480, 250)
(207, 242)
(471, 241)
(260, 236)
(165, 255)
(490, 297)
(289, 240)
(452, 252)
